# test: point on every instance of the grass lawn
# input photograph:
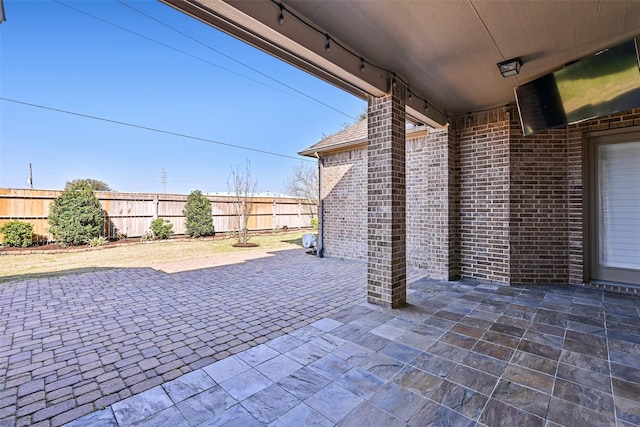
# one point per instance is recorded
(155, 255)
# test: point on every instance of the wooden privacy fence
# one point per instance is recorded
(131, 213)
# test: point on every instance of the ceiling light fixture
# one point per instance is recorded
(511, 67)
(327, 47)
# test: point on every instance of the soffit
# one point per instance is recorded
(446, 50)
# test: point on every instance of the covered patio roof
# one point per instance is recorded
(446, 51)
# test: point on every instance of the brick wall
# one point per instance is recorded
(538, 220)
(344, 191)
(428, 204)
(483, 201)
(482, 152)
(428, 211)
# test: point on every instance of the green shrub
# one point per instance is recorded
(75, 216)
(98, 241)
(198, 214)
(314, 223)
(17, 233)
(161, 228)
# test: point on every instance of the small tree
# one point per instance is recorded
(94, 184)
(75, 217)
(161, 228)
(198, 215)
(17, 233)
(243, 188)
(304, 184)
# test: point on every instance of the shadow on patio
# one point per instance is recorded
(289, 340)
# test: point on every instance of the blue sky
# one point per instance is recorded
(58, 57)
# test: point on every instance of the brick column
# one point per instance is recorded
(386, 236)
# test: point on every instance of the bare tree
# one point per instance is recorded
(243, 187)
(303, 183)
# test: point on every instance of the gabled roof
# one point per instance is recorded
(352, 137)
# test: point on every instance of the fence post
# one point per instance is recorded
(275, 215)
(156, 202)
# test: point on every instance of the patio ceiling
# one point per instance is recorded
(446, 51)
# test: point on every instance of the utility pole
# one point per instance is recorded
(30, 177)
(164, 181)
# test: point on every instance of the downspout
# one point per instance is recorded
(320, 208)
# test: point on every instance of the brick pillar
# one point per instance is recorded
(386, 235)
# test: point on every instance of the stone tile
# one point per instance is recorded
(433, 364)
(257, 355)
(624, 353)
(627, 410)
(503, 340)
(569, 414)
(627, 389)
(226, 368)
(302, 415)
(398, 401)
(529, 378)
(584, 396)
(415, 340)
(236, 416)
(284, 343)
(585, 377)
(625, 372)
(417, 380)
(331, 366)
(381, 365)
(371, 341)
(493, 350)
(205, 405)
(527, 399)
(585, 362)
(278, 367)
(307, 333)
(447, 351)
(506, 329)
(270, 403)
(143, 405)
(167, 417)
(352, 352)
(468, 330)
(102, 418)
(360, 382)
(498, 413)
(334, 402)
(387, 331)
(304, 382)
(245, 384)
(328, 342)
(460, 399)
(459, 340)
(326, 324)
(473, 379)
(306, 353)
(539, 349)
(434, 414)
(188, 385)
(400, 352)
(484, 363)
(534, 362)
(370, 416)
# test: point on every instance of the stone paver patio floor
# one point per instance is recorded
(300, 347)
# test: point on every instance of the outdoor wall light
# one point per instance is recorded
(511, 67)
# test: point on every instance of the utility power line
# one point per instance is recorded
(166, 132)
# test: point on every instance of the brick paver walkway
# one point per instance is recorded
(72, 344)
